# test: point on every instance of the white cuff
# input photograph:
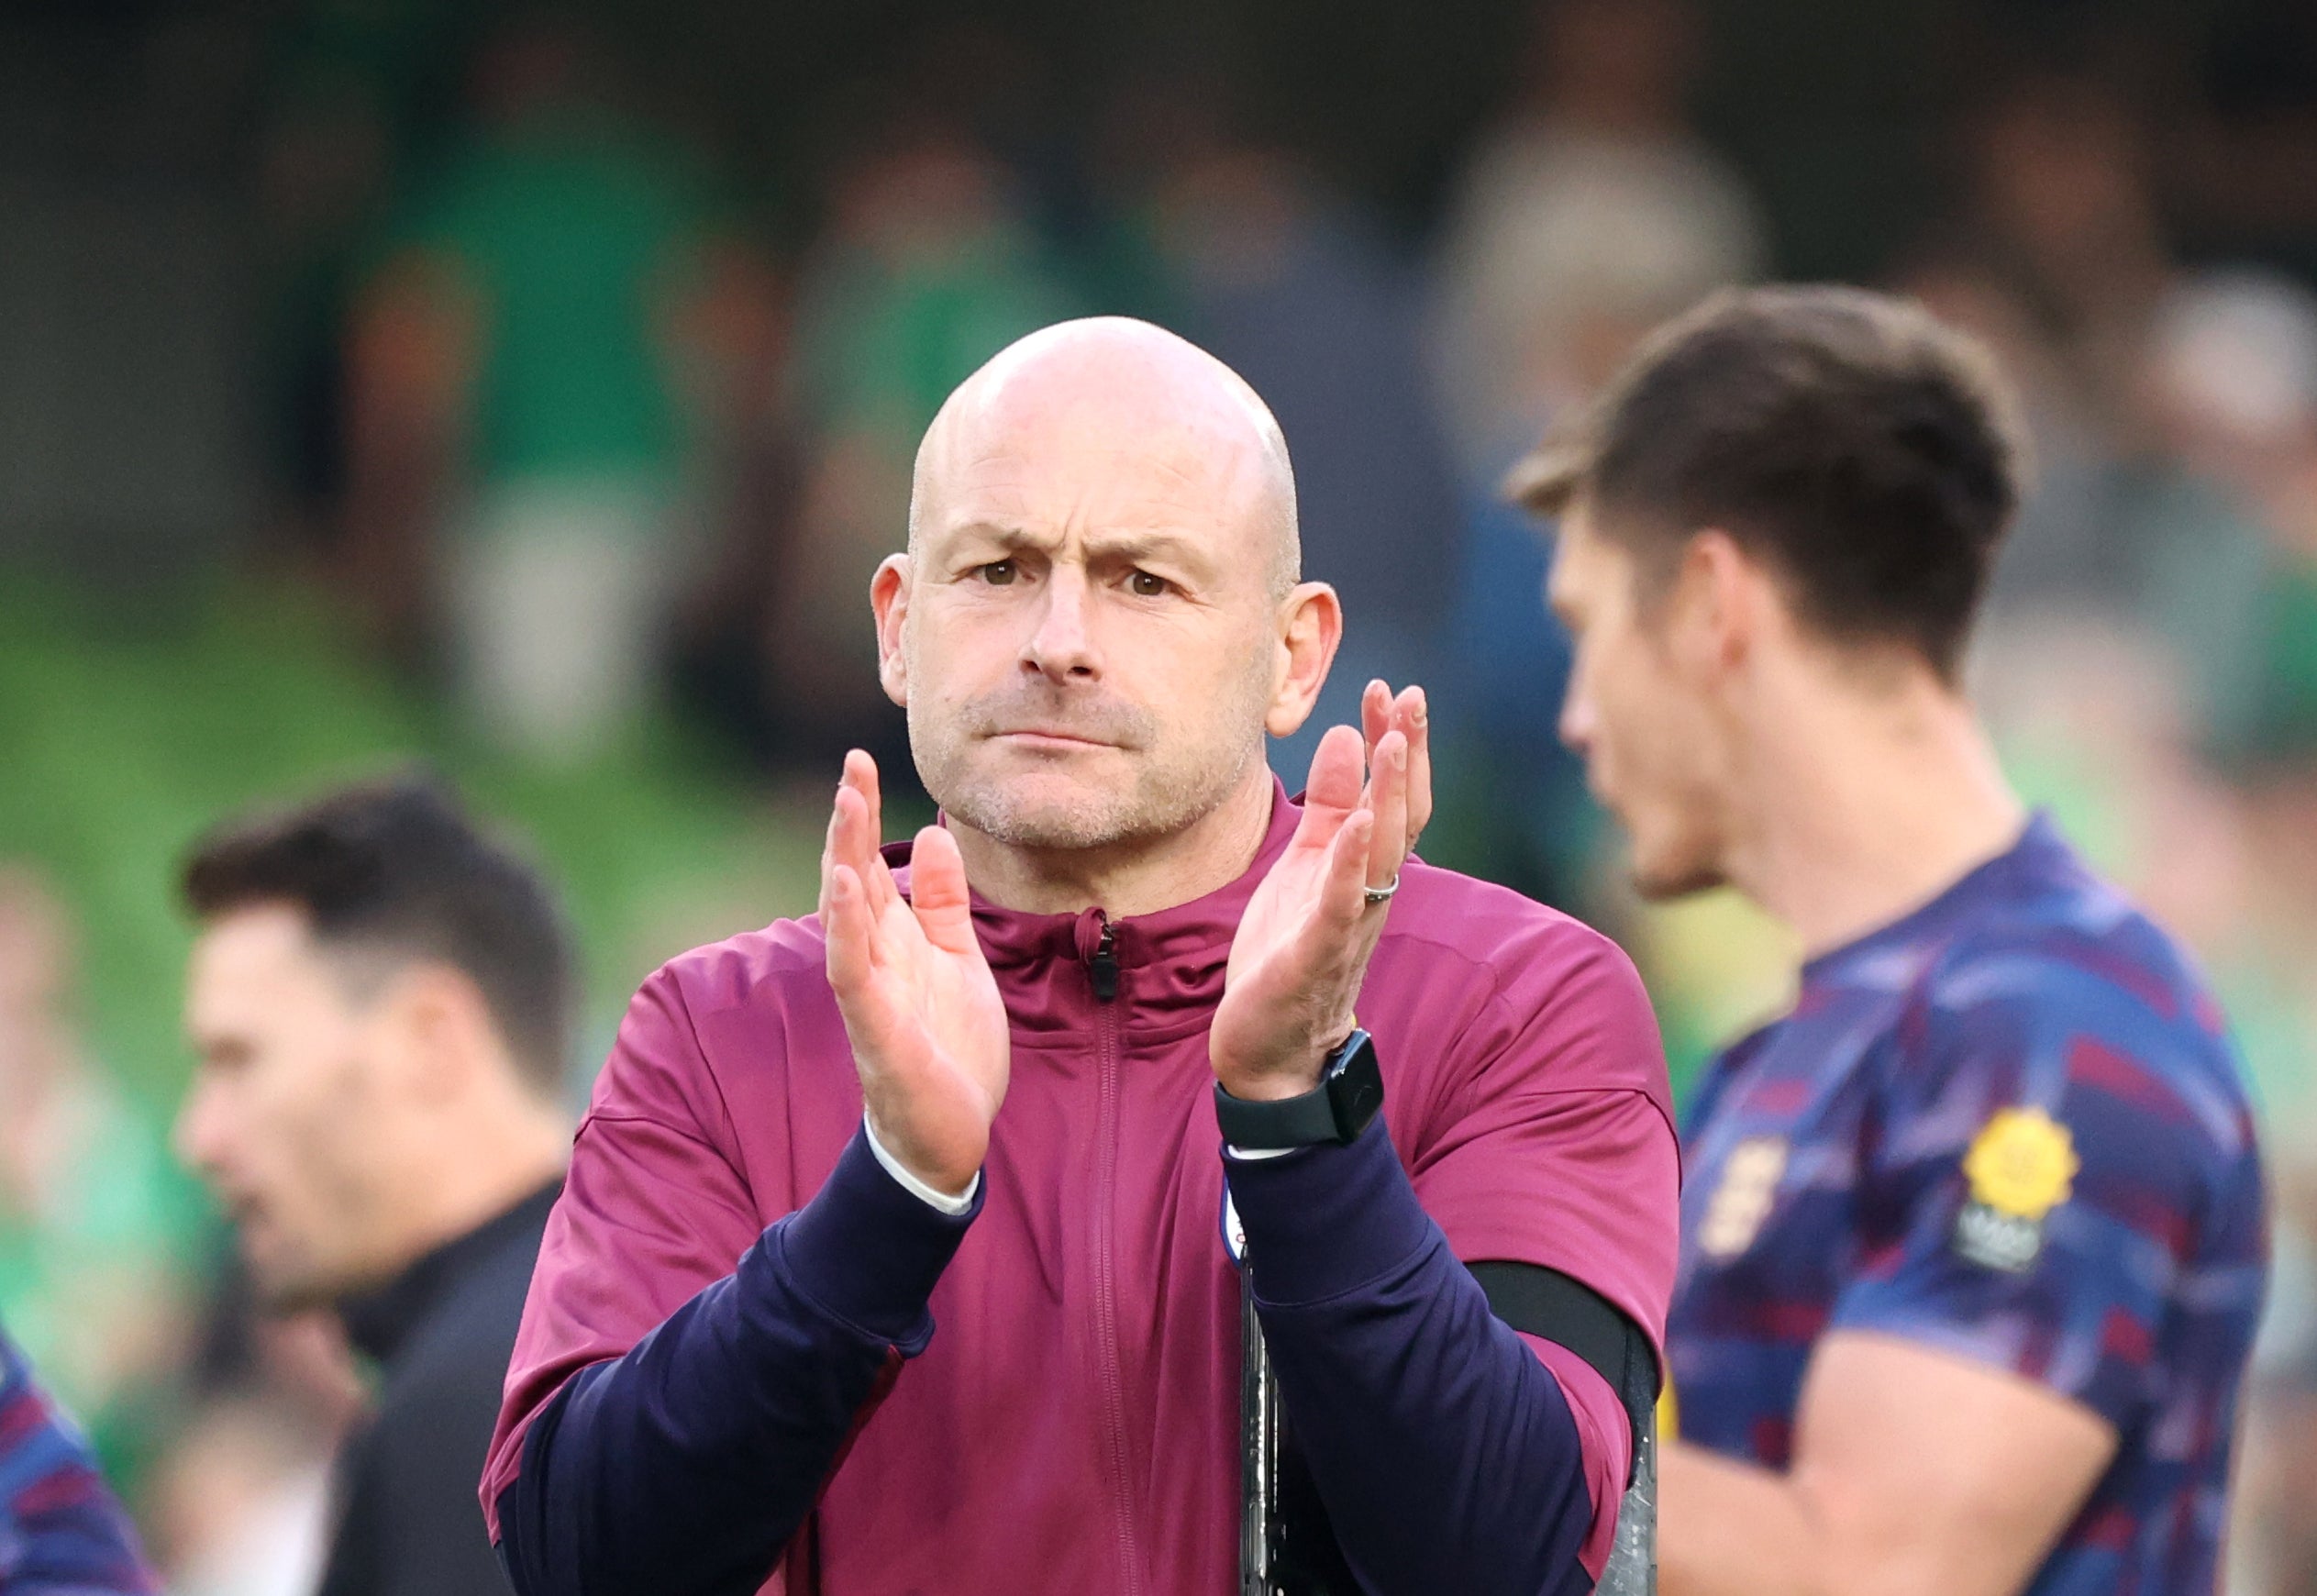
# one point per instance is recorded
(1251, 1155)
(952, 1206)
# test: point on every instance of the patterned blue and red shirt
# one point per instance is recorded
(2008, 1126)
(61, 1532)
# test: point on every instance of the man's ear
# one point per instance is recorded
(1716, 611)
(1310, 626)
(442, 1027)
(889, 597)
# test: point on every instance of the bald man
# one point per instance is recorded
(1130, 1050)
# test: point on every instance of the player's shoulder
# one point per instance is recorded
(2072, 944)
(2073, 972)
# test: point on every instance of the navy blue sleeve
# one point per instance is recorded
(684, 1468)
(1444, 1449)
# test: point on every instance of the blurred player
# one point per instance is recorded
(1972, 1239)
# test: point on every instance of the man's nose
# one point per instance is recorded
(198, 1137)
(1062, 645)
(1577, 720)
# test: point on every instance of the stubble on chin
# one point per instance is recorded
(1046, 811)
(1026, 811)
(1683, 869)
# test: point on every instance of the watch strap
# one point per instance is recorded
(1338, 1110)
(1285, 1122)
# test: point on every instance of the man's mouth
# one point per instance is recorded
(1057, 741)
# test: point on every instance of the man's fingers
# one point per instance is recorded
(1334, 780)
(1413, 714)
(856, 838)
(848, 832)
(1375, 714)
(828, 859)
(1388, 802)
(845, 929)
(937, 891)
(877, 880)
(1344, 896)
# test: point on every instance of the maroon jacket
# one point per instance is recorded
(1074, 1424)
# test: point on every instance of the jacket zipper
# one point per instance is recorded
(1102, 971)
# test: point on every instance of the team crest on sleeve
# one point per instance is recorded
(2018, 1168)
(1748, 1189)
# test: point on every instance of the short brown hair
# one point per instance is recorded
(1869, 451)
(396, 868)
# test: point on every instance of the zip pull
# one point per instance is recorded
(1101, 966)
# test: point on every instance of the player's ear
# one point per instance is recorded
(1310, 624)
(1714, 611)
(888, 598)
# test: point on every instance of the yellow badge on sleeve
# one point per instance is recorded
(2020, 1167)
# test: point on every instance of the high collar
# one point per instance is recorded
(380, 1323)
(1170, 961)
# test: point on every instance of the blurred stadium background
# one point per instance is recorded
(530, 392)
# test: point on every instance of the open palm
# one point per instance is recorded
(1303, 946)
(921, 1008)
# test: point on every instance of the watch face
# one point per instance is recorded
(1356, 1088)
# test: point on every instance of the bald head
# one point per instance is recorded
(1119, 396)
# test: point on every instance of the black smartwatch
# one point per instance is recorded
(1349, 1093)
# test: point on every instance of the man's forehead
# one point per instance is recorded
(262, 953)
(1045, 475)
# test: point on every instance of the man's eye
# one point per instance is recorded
(998, 572)
(1144, 585)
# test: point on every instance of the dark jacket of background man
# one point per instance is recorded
(378, 996)
(441, 1335)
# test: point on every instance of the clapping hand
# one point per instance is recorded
(921, 1008)
(1304, 945)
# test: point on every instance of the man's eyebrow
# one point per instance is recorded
(1131, 547)
(990, 532)
(1159, 546)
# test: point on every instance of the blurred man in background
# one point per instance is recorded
(62, 1534)
(1972, 1240)
(378, 997)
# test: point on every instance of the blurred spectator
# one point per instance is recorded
(2057, 258)
(1591, 213)
(61, 1532)
(1293, 285)
(517, 444)
(2061, 212)
(90, 1237)
(2229, 534)
(379, 997)
(353, 88)
(929, 266)
(2240, 162)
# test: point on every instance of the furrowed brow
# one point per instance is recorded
(1160, 549)
(990, 535)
